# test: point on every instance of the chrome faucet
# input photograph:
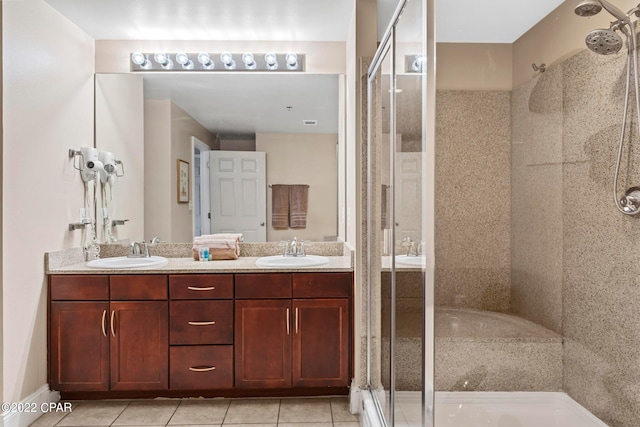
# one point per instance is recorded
(294, 247)
(413, 247)
(138, 250)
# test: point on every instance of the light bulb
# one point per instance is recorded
(140, 59)
(205, 60)
(418, 63)
(164, 60)
(271, 60)
(292, 61)
(249, 61)
(227, 60)
(183, 59)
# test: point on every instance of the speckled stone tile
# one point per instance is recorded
(473, 198)
(498, 366)
(537, 246)
(593, 94)
(57, 259)
(601, 320)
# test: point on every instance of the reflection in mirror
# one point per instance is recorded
(154, 120)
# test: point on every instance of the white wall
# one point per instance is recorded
(183, 127)
(120, 129)
(48, 108)
(157, 175)
(299, 158)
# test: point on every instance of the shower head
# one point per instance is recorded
(604, 42)
(588, 8)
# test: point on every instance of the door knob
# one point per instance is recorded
(262, 224)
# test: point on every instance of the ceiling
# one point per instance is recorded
(249, 103)
(460, 21)
(244, 103)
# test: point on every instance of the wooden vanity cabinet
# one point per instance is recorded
(117, 343)
(180, 334)
(78, 340)
(201, 331)
(292, 331)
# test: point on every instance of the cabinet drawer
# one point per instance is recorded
(322, 285)
(138, 287)
(79, 288)
(201, 367)
(201, 322)
(263, 286)
(201, 286)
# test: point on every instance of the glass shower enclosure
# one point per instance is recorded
(400, 221)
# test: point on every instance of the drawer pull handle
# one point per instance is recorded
(202, 323)
(104, 327)
(287, 321)
(296, 320)
(196, 288)
(203, 369)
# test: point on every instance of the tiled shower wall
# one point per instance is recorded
(473, 134)
(576, 259)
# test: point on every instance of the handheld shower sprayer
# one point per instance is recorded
(607, 42)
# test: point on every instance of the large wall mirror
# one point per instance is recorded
(155, 120)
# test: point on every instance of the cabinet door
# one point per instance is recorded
(321, 342)
(263, 343)
(139, 345)
(79, 346)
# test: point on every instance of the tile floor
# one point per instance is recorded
(307, 412)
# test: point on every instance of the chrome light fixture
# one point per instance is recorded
(222, 61)
(418, 64)
(227, 60)
(292, 61)
(205, 60)
(184, 60)
(271, 59)
(249, 61)
(164, 60)
(141, 60)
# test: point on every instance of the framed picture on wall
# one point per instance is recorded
(183, 181)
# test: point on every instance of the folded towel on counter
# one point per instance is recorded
(221, 236)
(221, 246)
(298, 203)
(280, 206)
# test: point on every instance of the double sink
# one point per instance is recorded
(280, 261)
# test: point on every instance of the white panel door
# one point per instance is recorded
(238, 194)
(408, 195)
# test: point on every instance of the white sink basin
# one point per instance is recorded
(287, 261)
(415, 261)
(125, 262)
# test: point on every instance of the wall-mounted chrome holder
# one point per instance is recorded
(542, 67)
(630, 202)
(78, 225)
(116, 222)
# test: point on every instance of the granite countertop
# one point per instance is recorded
(188, 265)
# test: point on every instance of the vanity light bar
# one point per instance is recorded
(221, 61)
(415, 63)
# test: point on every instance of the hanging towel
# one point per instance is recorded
(280, 206)
(298, 199)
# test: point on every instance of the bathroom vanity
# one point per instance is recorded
(201, 330)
